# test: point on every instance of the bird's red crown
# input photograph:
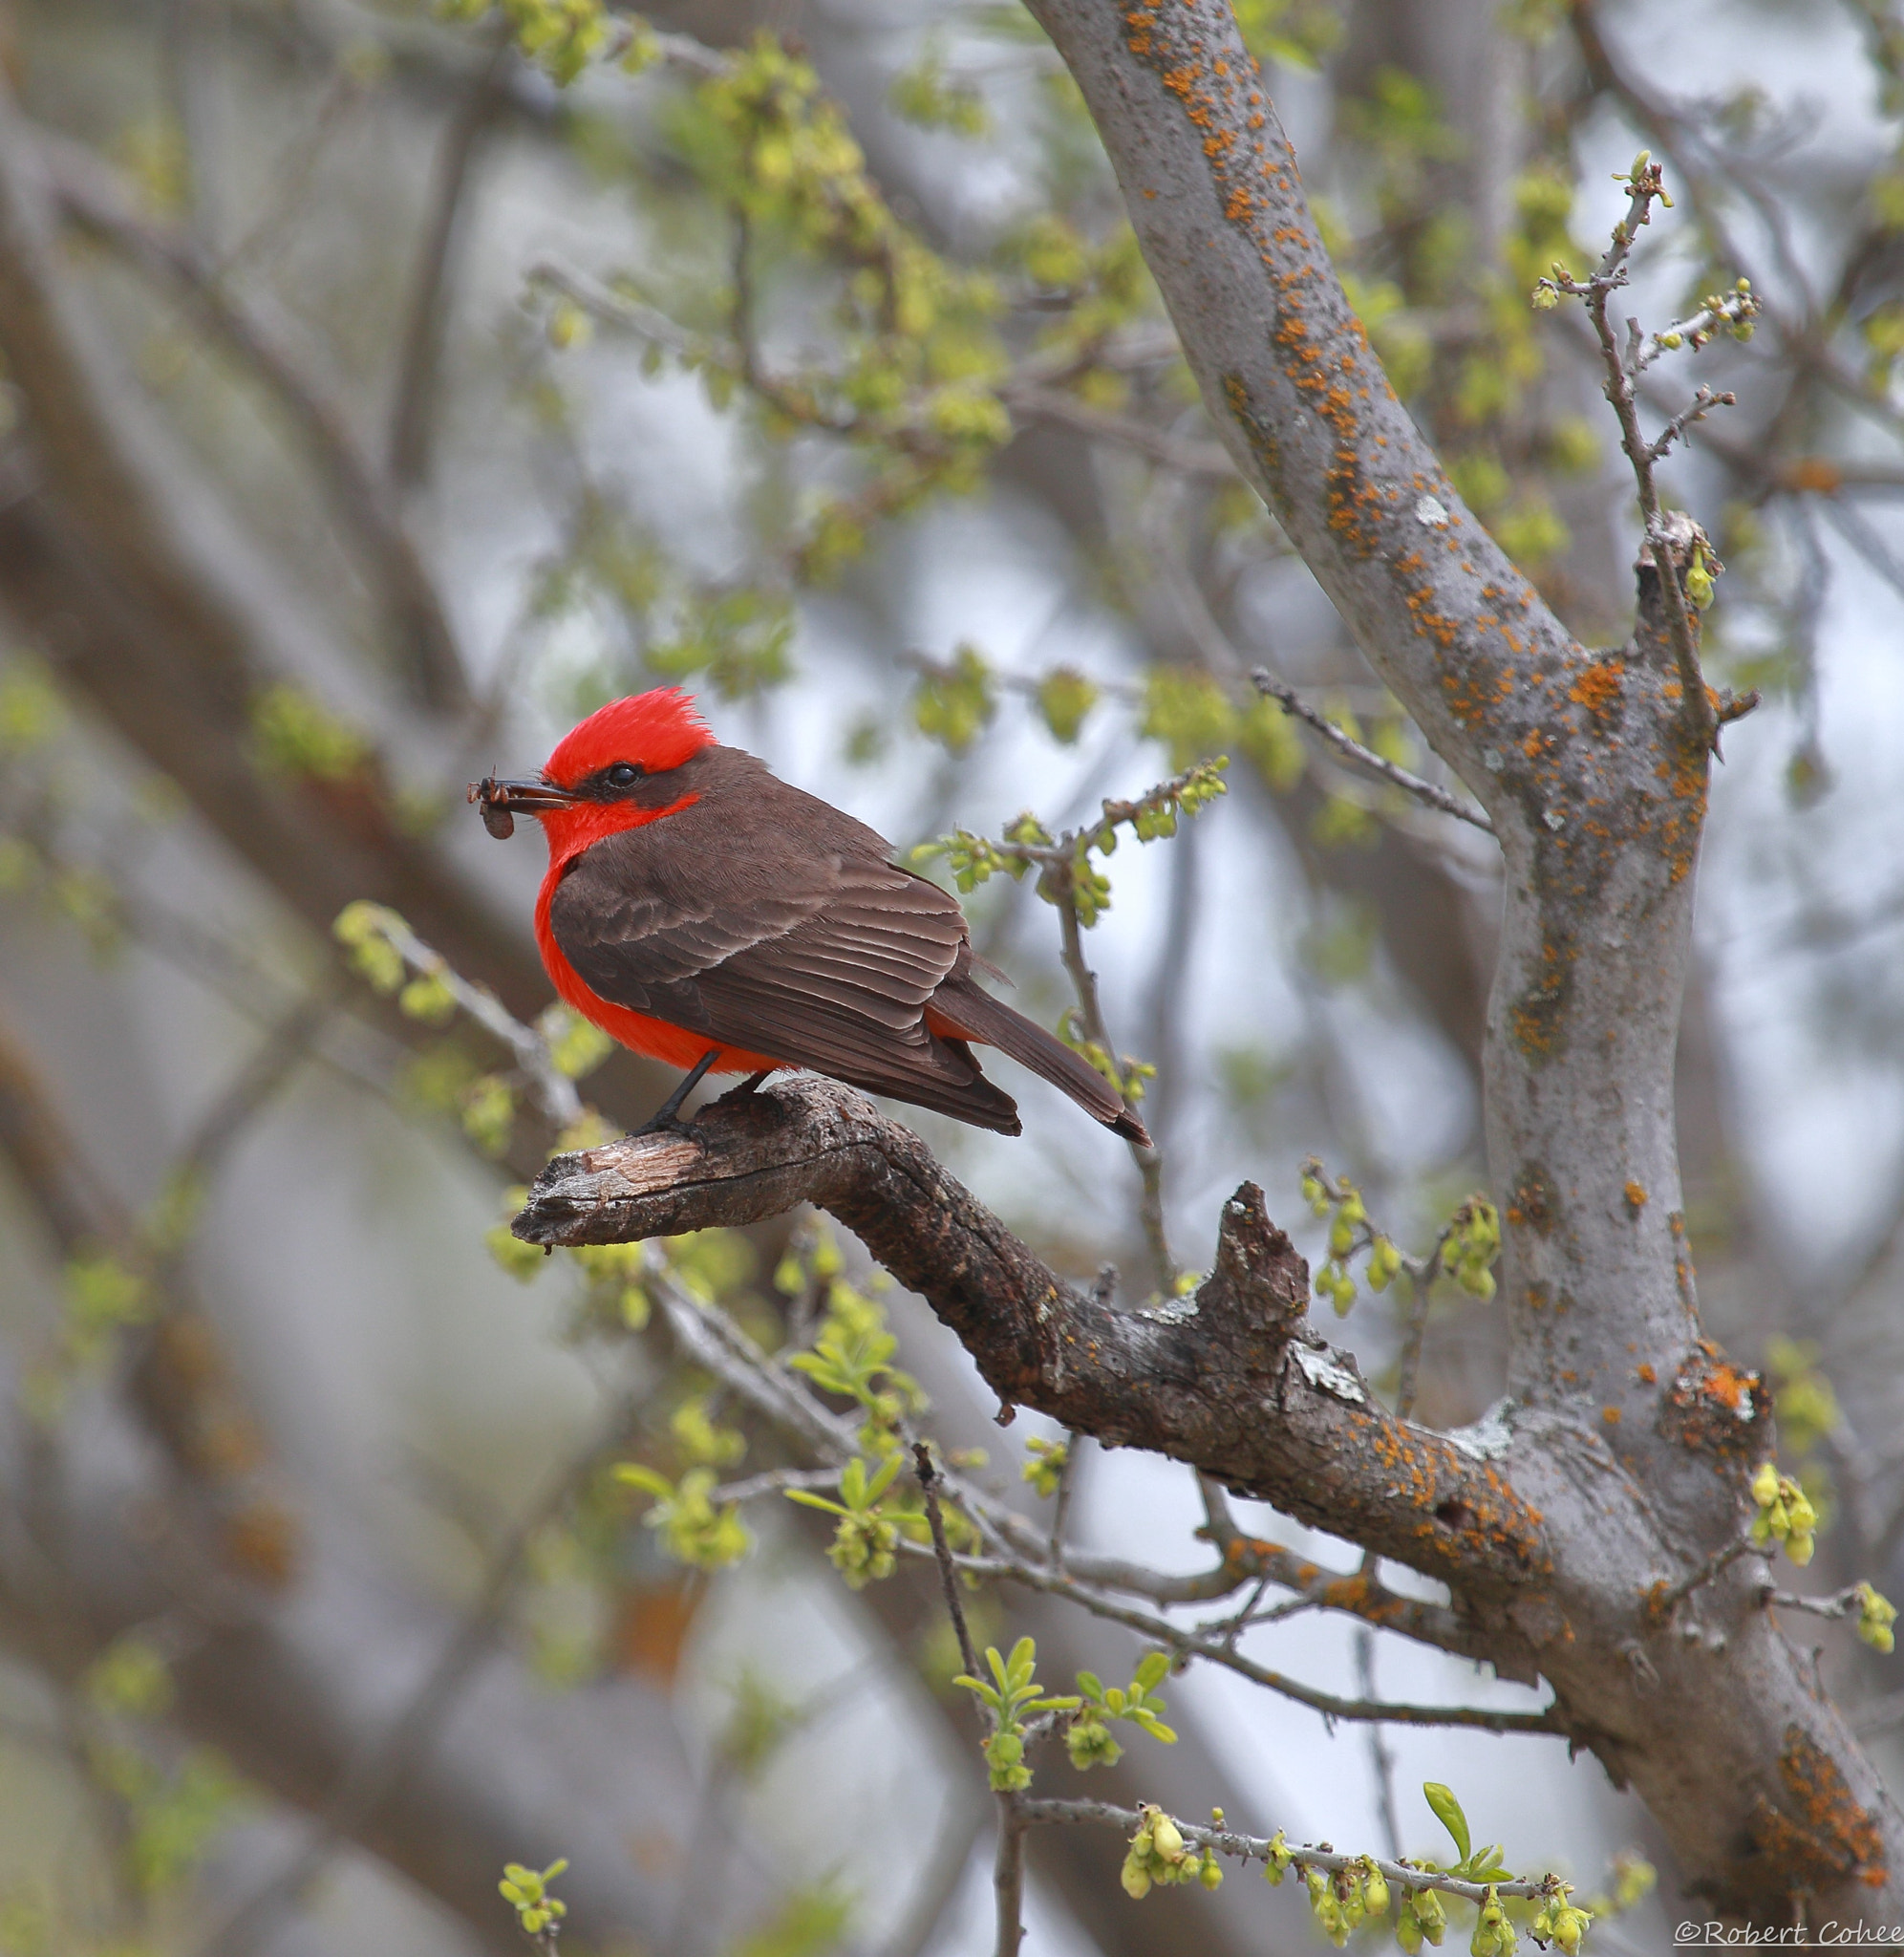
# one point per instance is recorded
(656, 730)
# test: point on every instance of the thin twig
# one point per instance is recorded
(554, 1089)
(1381, 1761)
(1669, 1601)
(1841, 1603)
(1204, 461)
(929, 1481)
(1365, 758)
(413, 411)
(1880, 1716)
(1254, 1848)
(285, 1047)
(92, 198)
(1008, 1873)
(1090, 1010)
(1622, 367)
(774, 1481)
(1060, 1515)
(1421, 1275)
(1190, 1644)
(1677, 426)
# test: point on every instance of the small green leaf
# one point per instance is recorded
(1449, 1812)
(807, 1500)
(1152, 1670)
(884, 1477)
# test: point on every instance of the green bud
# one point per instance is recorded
(1430, 1914)
(1349, 1894)
(1089, 1744)
(1876, 1614)
(1210, 1871)
(1375, 1888)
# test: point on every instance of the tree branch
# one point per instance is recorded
(1365, 758)
(91, 197)
(413, 412)
(1185, 1377)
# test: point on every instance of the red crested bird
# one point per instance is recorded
(706, 914)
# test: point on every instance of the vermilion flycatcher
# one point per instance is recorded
(706, 914)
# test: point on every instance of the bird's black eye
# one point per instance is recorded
(623, 775)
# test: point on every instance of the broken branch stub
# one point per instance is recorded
(1230, 1379)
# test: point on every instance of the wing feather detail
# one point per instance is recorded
(825, 957)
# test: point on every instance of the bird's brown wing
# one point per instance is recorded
(823, 957)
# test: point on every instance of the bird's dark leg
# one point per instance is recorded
(667, 1117)
(753, 1081)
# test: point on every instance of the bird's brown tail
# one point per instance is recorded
(960, 1008)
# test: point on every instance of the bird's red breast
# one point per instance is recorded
(657, 731)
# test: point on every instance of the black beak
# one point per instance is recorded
(503, 801)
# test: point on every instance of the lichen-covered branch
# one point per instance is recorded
(1712, 1713)
(1230, 1380)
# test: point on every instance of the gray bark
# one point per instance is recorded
(1630, 1438)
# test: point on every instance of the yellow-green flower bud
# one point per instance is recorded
(1278, 1860)
(1349, 1894)
(1765, 1485)
(1135, 1876)
(1166, 1839)
(1375, 1889)
(1430, 1915)
(1210, 1871)
(1876, 1614)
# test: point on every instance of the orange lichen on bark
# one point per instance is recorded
(1598, 688)
(1635, 1196)
(1462, 1510)
(1713, 1406)
(1535, 1016)
(1818, 1834)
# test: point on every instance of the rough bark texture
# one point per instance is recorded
(1627, 1435)
(1554, 1551)
(1191, 1377)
